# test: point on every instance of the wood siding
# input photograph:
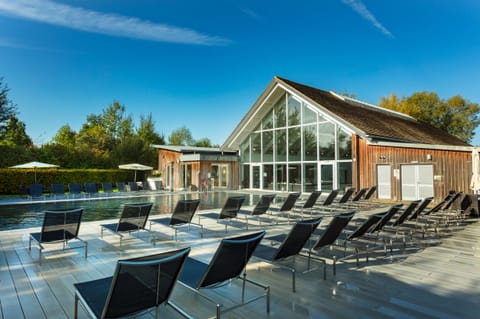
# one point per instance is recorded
(452, 170)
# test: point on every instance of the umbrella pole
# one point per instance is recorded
(135, 178)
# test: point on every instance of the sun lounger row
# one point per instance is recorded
(74, 190)
(128, 291)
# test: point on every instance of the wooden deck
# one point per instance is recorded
(438, 280)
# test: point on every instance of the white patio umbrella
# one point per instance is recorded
(136, 167)
(34, 165)
(475, 183)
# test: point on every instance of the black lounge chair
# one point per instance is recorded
(366, 227)
(182, 216)
(59, 226)
(370, 192)
(287, 206)
(310, 202)
(120, 186)
(133, 186)
(327, 203)
(107, 188)
(228, 213)
(74, 189)
(368, 233)
(58, 190)
(137, 286)
(290, 247)
(328, 238)
(228, 263)
(35, 191)
(90, 189)
(133, 219)
(260, 208)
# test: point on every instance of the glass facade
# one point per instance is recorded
(296, 148)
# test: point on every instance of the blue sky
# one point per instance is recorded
(203, 64)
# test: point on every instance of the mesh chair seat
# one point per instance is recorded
(228, 263)
(260, 208)
(138, 285)
(182, 216)
(133, 218)
(59, 227)
(229, 211)
(292, 244)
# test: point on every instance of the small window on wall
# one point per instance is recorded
(245, 151)
(268, 176)
(310, 143)
(294, 114)
(256, 147)
(344, 175)
(281, 181)
(267, 146)
(280, 116)
(245, 175)
(294, 144)
(326, 140)
(281, 145)
(267, 122)
(344, 142)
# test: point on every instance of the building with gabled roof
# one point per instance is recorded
(299, 138)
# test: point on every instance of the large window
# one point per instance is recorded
(295, 147)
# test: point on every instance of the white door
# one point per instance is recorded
(384, 181)
(416, 181)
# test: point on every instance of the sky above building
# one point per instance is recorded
(202, 64)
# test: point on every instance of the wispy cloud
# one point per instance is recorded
(252, 14)
(47, 11)
(361, 9)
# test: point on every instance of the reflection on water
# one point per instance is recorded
(31, 215)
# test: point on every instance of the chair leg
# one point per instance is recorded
(75, 313)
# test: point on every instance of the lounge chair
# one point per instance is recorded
(107, 188)
(74, 189)
(328, 238)
(137, 286)
(182, 216)
(260, 208)
(60, 226)
(58, 190)
(327, 203)
(120, 186)
(133, 186)
(370, 192)
(227, 264)
(309, 203)
(133, 219)
(35, 191)
(229, 211)
(90, 189)
(290, 247)
(287, 206)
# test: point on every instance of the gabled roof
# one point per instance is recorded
(193, 149)
(366, 120)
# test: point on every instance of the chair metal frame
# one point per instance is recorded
(132, 219)
(149, 263)
(181, 217)
(59, 230)
(210, 279)
(290, 247)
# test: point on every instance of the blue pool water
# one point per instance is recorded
(31, 215)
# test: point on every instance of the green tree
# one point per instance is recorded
(15, 133)
(181, 136)
(147, 132)
(7, 108)
(457, 116)
(65, 136)
(203, 142)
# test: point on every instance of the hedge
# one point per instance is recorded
(11, 180)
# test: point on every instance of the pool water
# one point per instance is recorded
(31, 215)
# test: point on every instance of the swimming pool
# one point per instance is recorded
(31, 215)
